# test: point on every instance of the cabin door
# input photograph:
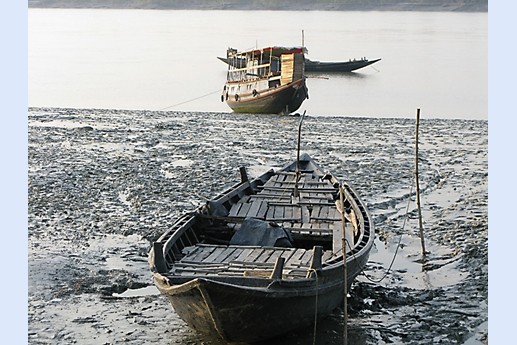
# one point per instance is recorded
(292, 68)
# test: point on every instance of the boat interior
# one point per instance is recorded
(286, 225)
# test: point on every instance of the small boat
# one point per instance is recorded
(265, 81)
(264, 257)
(345, 66)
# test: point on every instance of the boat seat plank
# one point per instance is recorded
(279, 212)
(324, 212)
(225, 255)
(275, 255)
(297, 213)
(315, 228)
(243, 210)
(306, 258)
(295, 259)
(244, 253)
(265, 255)
(199, 255)
(270, 214)
(309, 189)
(315, 211)
(289, 211)
(215, 253)
(254, 208)
(271, 196)
(235, 209)
(254, 254)
(302, 184)
(263, 209)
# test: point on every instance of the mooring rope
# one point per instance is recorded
(396, 250)
(190, 100)
(315, 307)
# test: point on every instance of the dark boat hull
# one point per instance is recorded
(284, 99)
(349, 66)
(223, 310)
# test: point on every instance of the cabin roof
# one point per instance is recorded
(274, 50)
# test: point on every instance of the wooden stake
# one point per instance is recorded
(343, 249)
(418, 185)
(297, 178)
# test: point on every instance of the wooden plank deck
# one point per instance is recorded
(313, 215)
(206, 259)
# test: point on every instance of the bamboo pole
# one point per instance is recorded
(297, 178)
(343, 249)
(418, 185)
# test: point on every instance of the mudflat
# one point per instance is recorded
(104, 183)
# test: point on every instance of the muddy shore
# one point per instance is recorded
(104, 183)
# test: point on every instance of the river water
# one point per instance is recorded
(159, 59)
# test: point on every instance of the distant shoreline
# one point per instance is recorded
(256, 5)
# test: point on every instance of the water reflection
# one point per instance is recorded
(336, 75)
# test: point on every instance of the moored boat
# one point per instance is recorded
(265, 81)
(319, 66)
(265, 256)
(341, 66)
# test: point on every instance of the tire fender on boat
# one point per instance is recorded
(255, 93)
(237, 97)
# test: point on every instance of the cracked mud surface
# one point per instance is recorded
(104, 183)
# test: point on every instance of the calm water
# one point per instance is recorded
(144, 59)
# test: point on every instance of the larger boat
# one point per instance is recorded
(266, 256)
(265, 81)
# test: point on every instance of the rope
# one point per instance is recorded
(190, 100)
(315, 307)
(396, 250)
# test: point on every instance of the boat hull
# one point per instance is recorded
(284, 99)
(349, 66)
(237, 309)
(224, 311)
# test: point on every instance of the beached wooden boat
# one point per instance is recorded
(264, 257)
(344, 66)
(265, 81)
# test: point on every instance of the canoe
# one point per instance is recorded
(344, 66)
(265, 256)
(265, 81)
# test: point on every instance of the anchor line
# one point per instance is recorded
(190, 100)
(396, 250)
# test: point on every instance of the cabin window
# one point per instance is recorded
(274, 83)
(275, 65)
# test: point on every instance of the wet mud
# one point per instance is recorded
(104, 183)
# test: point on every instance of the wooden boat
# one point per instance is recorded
(318, 66)
(265, 81)
(265, 256)
(345, 66)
